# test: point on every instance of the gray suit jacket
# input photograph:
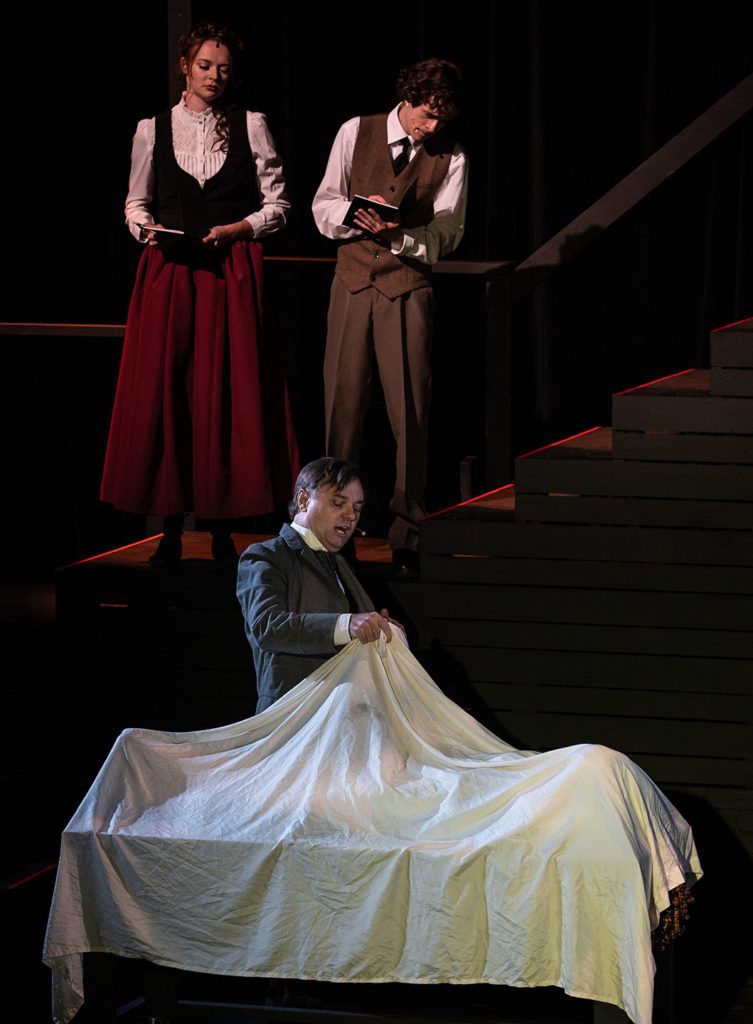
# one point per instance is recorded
(291, 603)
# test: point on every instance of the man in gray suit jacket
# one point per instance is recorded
(300, 598)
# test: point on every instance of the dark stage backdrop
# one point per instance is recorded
(563, 99)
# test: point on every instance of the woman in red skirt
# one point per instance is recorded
(201, 419)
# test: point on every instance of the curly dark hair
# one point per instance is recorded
(434, 81)
(189, 45)
(326, 472)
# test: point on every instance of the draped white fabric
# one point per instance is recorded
(365, 828)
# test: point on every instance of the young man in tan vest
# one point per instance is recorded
(382, 302)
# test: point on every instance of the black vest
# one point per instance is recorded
(228, 196)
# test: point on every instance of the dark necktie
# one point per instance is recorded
(401, 160)
(329, 560)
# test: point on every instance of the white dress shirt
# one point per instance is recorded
(342, 626)
(426, 244)
(198, 153)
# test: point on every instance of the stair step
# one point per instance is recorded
(668, 446)
(621, 609)
(682, 403)
(692, 382)
(732, 382)
(732, 346)
(732, 360)
(583, 467)
(678, 419)
(493, 538)
(593, 510)
(590, 573)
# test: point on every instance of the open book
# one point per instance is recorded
(388, 213)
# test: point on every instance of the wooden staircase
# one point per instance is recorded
(608, 595)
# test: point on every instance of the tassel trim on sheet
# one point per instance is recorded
(674, 920)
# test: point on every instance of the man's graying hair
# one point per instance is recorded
(325, 472)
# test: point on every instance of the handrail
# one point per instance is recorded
(486, 269)
(492, 287)
(63, 330)
(633, 188)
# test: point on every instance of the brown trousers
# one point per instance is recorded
(398, 332)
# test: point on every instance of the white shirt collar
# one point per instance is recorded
(310, 538)
(205, 115)
(395, 131)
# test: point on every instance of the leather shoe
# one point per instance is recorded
(224, 551)
(168, 553)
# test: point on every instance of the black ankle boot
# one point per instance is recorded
(170, 547)
(224, 551)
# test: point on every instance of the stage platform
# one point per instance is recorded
(169, 644)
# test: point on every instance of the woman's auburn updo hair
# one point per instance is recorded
(189, 45)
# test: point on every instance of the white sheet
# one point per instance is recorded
(364, 828)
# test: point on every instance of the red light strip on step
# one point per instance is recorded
(114, 551)
(736, 323)
(28, 878)
(658, 380)
(555, 444)
(470, 501)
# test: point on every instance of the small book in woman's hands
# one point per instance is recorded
(159, 231)
(390, 214)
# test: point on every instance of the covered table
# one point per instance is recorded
(366, 829)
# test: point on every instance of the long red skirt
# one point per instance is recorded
(201, 419)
